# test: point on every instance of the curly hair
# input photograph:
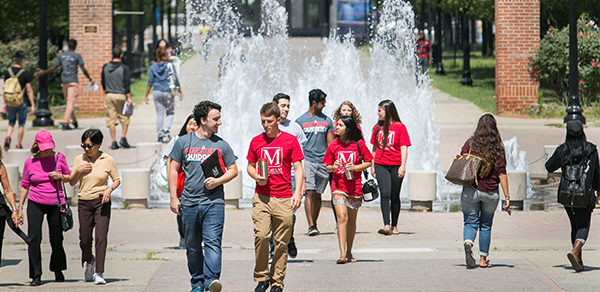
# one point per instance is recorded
(202, 108)
(486, 143)
(338, 112)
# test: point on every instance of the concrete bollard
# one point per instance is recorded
(517, 188)
(136, 187)
(72, 151)
(145, 150)
(18, 157)
(549, 150)
(12, 171)
(233, 191)
(422, 189)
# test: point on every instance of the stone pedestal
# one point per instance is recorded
(72, 151)
(14, 178)
(145, 150)
(422, 189)
(517, 188)
(233, 191)
(136, 187)
(18, 157)
(549, 150)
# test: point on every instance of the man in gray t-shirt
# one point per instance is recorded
(318, 129)
(68, 61)
(202, 206)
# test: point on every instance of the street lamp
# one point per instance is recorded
(466, 79)
(574, 109)
(438, 41)
(43, 113)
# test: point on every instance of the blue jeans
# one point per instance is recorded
(203, 223)
(478, 213)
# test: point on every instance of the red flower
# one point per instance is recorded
(581, 81)
(554, 89)
(551, 26)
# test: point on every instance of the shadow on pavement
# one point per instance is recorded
(10, 262)
(585, 268)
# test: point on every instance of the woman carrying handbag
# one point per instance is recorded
(39, 182)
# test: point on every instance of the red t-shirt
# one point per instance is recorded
(489, 183)
(397, 137)
(423, 48)
(280, 152)
(345, 153)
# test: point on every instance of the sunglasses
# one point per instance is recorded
(87, 146)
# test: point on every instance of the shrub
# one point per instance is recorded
(551, 62)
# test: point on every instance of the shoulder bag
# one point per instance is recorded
(369, 188)
(66, 216)
(464, 169)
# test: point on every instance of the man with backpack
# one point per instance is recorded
(16, 81)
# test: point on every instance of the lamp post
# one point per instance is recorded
(574, 109)
(43, 113)
(466, 79)
(438, 41)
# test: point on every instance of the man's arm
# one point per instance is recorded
(30, 94)
(330, 137)
(85, 72)
(41, 72)
(172, 179)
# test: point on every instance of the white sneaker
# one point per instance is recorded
(99, 279)
(215, 286)
(89, 271)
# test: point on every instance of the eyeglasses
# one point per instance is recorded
(86, 146)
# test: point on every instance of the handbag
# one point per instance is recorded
(173, 82)
(66, 216)
(369, 188)
(464, 169)
(161, 176)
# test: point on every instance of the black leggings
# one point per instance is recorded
(580, 222)
(389, 188)
(35, 217)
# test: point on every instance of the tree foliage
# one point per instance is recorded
(20, 20)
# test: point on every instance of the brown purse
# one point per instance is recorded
(464, 169)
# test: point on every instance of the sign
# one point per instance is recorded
(90, 29)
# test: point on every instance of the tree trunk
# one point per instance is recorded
(485, 37)
(473, 35)
(447, 26)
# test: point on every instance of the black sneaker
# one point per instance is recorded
(58, 276)
(276, 288)
(36, 282)
(114, 145)
(75, 125)
(66, 127)
(292, 250)
(262, 286)
(312, 231)
(7, 143)
(124, 143)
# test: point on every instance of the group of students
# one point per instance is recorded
(44, 175)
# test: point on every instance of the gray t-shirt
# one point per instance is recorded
(69, 61)
(315, 129)
(194, 190)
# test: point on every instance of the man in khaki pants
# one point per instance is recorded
(273, 202)
(116, 83)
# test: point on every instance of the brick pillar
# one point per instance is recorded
(517, 38)
(90, 23)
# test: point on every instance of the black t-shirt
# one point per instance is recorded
(24, 78)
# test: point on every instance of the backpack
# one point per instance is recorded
(13, 93)
(573, 191)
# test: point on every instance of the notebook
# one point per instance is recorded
(213, 166)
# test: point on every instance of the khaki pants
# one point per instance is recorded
(269, 213)
(113, 104)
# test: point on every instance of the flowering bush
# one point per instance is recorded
(551, 62)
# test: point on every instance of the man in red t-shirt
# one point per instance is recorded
(423, 51)
(273, 202)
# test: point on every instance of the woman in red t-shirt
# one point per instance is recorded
(390, 147)
(349, 153)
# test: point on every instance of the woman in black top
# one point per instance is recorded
(575, 150)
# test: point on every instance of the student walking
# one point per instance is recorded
(17, 111)
(116, 83)
(346, 157)
(164, 99)
(92, 169)
(390, 148)
(481, 200)
(202, 205)
(577, 151)
(273, 203)
(69, 61)
(318, 129)
(41, 175)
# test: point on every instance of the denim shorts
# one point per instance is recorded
(13, 112)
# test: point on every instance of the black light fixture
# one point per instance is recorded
(574, 109)
(43, 113)
(466, 78)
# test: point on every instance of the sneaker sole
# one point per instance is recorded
(215, 287)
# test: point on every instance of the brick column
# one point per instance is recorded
(517, 38)
(90, 23)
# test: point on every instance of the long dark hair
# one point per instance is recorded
(486, 143)
(576, 149)
(353, 133)
(183, 130)
(391, 116)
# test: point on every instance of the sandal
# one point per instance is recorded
(469, 259)
(574, 262)
(395, 231)
(340, 261)
(350, 259)
(487, 265)
(385, 231)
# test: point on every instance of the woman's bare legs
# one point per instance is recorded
(351, 232)
(342, 221)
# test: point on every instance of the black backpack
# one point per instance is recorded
(573, 191)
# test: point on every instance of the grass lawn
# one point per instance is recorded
(138, 89)
(483, 73)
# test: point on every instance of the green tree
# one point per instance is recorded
(20, 20)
